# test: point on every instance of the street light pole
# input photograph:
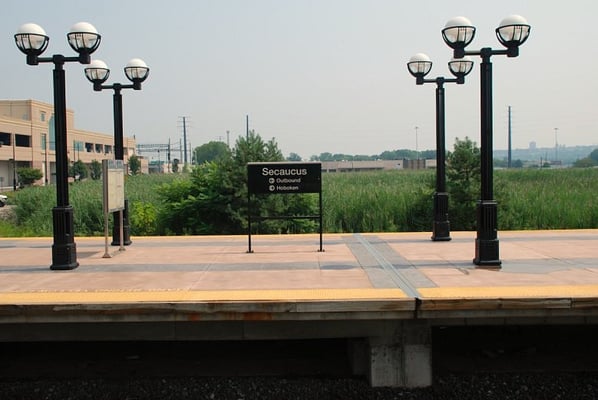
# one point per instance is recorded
(117, 111)
(512, 32)
(45, 160)
(419, 66)
(14, 163)
(97, 73)
(417, 146)
(31, 39)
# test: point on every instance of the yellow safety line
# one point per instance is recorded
(485, 292)
(200, 296)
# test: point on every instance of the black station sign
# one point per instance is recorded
(284, 177)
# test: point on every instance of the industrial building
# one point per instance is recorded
(27, 139)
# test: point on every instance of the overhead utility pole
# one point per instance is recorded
(247, 127)
(184, 139)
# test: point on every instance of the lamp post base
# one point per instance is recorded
(486, 243)
(441, 231)
(64, 249)
(441, 228)
(126, 227)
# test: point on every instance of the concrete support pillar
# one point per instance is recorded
(358, 352)
(401, 357)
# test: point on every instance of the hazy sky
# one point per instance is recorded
(321, 75)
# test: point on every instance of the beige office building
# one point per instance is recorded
(27, 139)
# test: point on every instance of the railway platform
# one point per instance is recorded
(382, 291)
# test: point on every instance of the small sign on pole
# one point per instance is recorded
(284, 178)
(113, 176)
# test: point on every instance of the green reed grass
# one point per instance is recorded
(547, 199)
(377, 201)
(387, 201)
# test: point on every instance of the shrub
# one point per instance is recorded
(134, 164)
(28, 176)
(143, 218)
(95, 170)
(463, 173)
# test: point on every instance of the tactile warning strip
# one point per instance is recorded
(80, 297)
(497, 292)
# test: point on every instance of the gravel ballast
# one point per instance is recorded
(568, 386)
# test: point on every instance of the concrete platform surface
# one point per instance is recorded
(384, 266)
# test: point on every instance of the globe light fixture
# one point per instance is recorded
(513, 31)
(458, 33)
(97, 72)
(84, 39)
(32, 40)
(137, 72)
(419, 65)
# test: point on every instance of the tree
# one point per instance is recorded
(214, 199)
(517, 164)
(28, 176)
(324, 157)
(463, 174)
(134, 164)
(589, 161)
(95, 170)
(79, 170)
(428, 154)
(210, 151)
(294, 157)
(504, 163)
(586, 162)
(402, 153)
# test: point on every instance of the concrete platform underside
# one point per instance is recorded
(383, 291)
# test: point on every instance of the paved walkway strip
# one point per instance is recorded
(399, 279)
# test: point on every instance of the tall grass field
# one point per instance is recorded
(389, 201)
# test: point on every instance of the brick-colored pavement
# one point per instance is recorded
(534, 263)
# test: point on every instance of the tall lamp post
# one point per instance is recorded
(419, 66)
(31, 39)
(97, 73)
(512, 32)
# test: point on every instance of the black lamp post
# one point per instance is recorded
(31, 39)
(419, 66)
(14, 164)
(512, 32)
(97, 73)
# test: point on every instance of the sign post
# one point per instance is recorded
(284, 178)
(113, 176)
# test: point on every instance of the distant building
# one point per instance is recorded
(27, 139)
(532, 145)
(376, 165)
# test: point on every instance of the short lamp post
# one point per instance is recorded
(97, 73)
(419, 66)
(512, 32)
(31, 39)
(14, 164)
